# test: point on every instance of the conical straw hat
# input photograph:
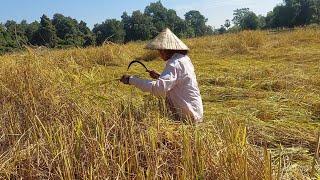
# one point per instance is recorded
(167, 40)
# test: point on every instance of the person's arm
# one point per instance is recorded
(159, 87)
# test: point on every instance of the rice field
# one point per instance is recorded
(63, 114)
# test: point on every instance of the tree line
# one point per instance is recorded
(62, 31)
(289, 14)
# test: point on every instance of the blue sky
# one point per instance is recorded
(96, 11)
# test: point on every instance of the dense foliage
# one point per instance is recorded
(289, 14)
(294, 13)
(62, 31)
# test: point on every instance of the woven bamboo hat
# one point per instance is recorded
(167, 40)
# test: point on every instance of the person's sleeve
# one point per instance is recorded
(160, 87)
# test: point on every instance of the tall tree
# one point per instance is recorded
(316, 11)
(67, 30)
(110, 30)
(187, 31)
(245, 19)
(163, 17)
(159, 15)
(197, 21)
(250, 21)
(138, 26)
(31, 29)
(227, 24)
(7, 44)
(239, 14)
(46, 34)
(17, 31)
(87, 35)
(175, 23)
(304, 12)
(294, 13)
(262, 21)
(83, 28)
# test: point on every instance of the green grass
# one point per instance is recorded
(63, 115)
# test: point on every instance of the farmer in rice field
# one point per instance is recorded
(177, 82)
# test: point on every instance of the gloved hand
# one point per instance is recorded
(154, 74)
(125, 79)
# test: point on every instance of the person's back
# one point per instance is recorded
(185, 95)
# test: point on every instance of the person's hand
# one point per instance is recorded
(125, 79)
(154, 74)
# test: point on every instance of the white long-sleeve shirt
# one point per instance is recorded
(178, 83)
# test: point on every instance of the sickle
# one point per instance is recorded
(135, 61)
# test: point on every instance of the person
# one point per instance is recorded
(178, 82)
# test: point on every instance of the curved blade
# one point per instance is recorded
(135, 61)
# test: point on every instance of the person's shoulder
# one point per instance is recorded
(178, 56)
(177, 59)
